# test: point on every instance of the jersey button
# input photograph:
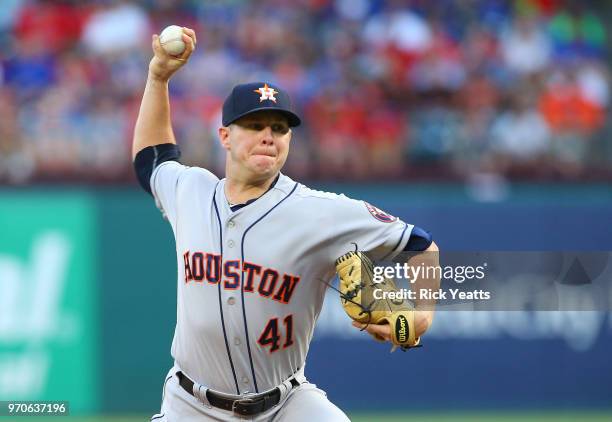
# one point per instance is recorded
(237, 341)
(231, 224)
(231, 301)
(245, 380)
(230, 243)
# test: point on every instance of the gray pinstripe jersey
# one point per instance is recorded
(249, 281)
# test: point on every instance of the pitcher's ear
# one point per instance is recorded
(224, 137)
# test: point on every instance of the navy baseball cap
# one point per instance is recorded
(255, 96)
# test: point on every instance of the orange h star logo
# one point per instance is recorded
(266, 93)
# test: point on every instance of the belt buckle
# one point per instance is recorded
(250, 399)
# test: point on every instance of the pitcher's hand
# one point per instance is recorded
(163, 65)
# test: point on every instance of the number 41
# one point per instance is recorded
(270, 336)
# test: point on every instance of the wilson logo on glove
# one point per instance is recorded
(401, 328)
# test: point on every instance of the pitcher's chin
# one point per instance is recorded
(264, 163)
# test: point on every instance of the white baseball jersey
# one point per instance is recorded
(250, 281)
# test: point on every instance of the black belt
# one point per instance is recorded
(247, 406)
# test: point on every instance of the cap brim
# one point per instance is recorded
(292, 118)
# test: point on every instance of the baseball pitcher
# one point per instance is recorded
(252, 251)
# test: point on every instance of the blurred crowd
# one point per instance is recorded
(388, 89)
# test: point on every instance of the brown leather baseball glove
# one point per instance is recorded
(370, 302)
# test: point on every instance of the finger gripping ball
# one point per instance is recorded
(171, 40)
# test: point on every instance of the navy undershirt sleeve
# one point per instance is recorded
(147, 159)
(419, 240)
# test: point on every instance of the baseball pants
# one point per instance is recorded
(304, 403)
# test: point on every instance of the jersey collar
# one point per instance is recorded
(236, 207)
(282, 183)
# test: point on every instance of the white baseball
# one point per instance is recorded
(171, 39)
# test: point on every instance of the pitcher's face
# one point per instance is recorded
(257, 143)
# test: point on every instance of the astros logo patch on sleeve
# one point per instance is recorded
(379, 214)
